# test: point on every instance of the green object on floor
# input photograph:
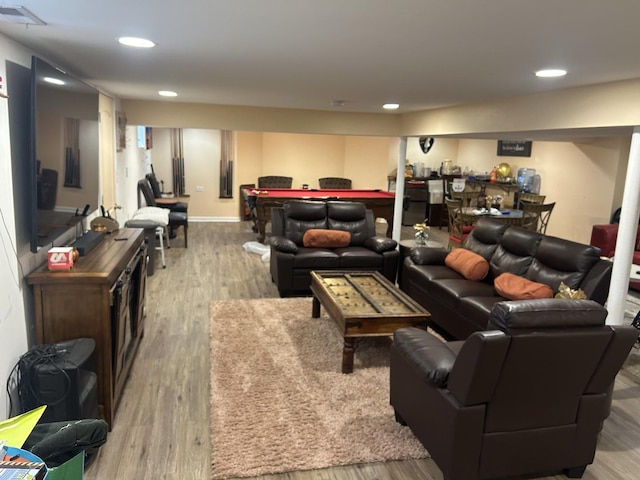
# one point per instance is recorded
(70, 470)
(15, 430)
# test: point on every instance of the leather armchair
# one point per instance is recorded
(292, 262)
(528, 396)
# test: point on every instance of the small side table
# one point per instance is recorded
(405, 247)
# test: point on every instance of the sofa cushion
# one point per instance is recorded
(350, 217)
(558, 260)
(299, 216)
(515, 252)
(515, 287)
(323, 238)
(358, 257)
(315, 259)
(485, 237)
(467, 263)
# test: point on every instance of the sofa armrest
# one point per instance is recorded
(380, 244)
(429, 357)
(283, 244)
(428, 255)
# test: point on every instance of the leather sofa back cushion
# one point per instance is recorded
(514, 287)
(321, 238)
(467, 263)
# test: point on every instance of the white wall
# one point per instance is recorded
(131, 166)
(13, 330)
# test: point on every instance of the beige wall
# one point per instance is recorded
(605, 106)
(584, 178)
(581, 177)
(306, 158)
(107, 151)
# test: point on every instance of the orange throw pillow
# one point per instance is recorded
(515, 287)
(467, 263)
(321, 238)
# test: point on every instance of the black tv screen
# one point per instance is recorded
(64, 152)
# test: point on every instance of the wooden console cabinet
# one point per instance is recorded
(102, 297)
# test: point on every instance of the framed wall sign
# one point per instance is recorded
(514, 148)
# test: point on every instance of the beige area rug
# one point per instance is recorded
(279, 402)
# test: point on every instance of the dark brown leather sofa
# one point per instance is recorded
(460, 307)
(291, 263)
(528, 396)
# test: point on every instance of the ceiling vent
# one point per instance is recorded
(19, 15)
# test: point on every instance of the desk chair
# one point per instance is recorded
(536, 216)
(335, 182)
(176, 218)
(274, 181)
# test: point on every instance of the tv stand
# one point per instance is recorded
(101, 297)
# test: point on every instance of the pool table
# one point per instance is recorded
(260, 201)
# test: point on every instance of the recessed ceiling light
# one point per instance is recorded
(167, 93)
(391, 106)
(338, 103)
(136, 42)
(551, 72)
(55, 81)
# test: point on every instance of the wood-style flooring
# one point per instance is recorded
(161, 428)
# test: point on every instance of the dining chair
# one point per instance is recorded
(469, 197)
(530, 198)
(335, 182)
(274, 181)
(536, 216)
(460, 224)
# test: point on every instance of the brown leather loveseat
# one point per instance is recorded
(459, 306)
(527, 396)
(292, 261)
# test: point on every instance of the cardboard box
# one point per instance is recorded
(60, 258)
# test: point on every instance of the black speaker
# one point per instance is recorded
(63, 377)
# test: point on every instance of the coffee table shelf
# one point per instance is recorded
(363, 304)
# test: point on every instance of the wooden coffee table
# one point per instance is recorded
(363, 304)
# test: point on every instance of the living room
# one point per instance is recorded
(589, 165)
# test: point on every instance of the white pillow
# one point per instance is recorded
(154, 214)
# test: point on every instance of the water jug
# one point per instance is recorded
(525, 179)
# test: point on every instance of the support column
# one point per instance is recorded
(627, 230)
(397, 209)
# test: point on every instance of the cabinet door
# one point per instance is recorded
(139, 281)
(120, 324)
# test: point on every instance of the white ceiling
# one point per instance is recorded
(307, 53)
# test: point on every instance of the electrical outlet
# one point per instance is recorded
(199, 188)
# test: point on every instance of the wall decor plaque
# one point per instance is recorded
(514, 148)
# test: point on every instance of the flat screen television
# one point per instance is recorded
(64, 139)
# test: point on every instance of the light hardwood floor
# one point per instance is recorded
(161, 428)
